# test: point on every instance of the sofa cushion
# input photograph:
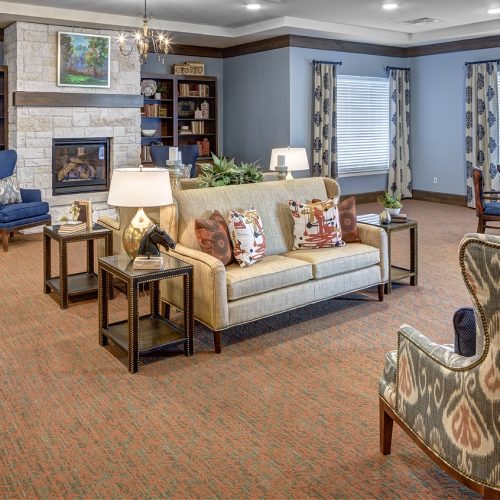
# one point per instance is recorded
(10, 192)
(272, 272)
(247, 236)
(332, 261)
(213, 237)
(9, 213)
(348, 222)
(492, 209)
(316, 224)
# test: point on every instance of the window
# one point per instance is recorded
(362, 124)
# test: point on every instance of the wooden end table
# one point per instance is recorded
(66, 285)
(142, 334)
(397, 273)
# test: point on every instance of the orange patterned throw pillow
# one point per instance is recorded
(247, 235)
(316, 224)
(213, 237)
(348, 222)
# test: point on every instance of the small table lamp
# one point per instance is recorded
(138, 188)
(295, 159)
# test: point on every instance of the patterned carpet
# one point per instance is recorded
(288, 410)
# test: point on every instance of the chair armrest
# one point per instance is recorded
(210, 289)
(376, 237)
(31, 195)
(437, 353)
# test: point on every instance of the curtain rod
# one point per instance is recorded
(327, 62)
(388, 68)
(482, 62)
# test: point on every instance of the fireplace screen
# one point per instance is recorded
(80, 165)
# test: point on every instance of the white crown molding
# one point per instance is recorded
(216, 36)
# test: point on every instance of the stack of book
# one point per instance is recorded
(399, 218)
(72, 227)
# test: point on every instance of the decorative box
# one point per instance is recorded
(204, 107)
(189, 68)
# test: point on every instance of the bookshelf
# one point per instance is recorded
(185, 114)
(4, 106)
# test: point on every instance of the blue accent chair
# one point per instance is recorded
(31, 212)
(486, 212)
(189, 155)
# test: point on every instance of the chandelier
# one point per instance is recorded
(146, 40)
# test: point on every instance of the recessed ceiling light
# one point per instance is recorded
(390, 6)
(496, 10)
(253, 5)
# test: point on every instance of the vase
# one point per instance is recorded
(385, 217)
(394, 211)
(157, 96)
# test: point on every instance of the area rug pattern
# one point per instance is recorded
(288, 410)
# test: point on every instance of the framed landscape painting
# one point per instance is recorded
(83, 60)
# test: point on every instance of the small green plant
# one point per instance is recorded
(389, 201)
(224, 172)
(64, 219)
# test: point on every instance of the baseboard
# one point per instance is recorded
(448, 199)
(364, 197)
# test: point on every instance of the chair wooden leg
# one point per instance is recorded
(12, 234)
(5, 240)
(385, 430)
(166, 310)
(218, 341)
(381, 292)
(480, 225)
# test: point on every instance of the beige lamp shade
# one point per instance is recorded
(295, 158)
(140, 187)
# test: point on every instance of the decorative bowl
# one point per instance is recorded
(148, 132)
(148, 87)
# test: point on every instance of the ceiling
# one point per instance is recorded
(222, 23)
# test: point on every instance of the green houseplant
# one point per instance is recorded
(224, 172)
(392, 203)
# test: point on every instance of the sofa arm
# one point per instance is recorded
(376, 237)
(31, 195)
(210, 291)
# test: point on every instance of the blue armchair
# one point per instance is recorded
(31, 212)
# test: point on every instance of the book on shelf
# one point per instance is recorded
(198, 128)
(72, 227)
(154, 111)
(194, 90)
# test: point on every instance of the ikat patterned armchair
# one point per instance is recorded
(450, 404)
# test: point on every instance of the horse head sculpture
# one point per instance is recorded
(153, 237)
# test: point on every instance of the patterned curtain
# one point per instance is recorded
(399, 109)
(481, 127)
(325, 120)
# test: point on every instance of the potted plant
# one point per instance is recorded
(391, 203)
(223, 172)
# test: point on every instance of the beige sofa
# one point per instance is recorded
(285, 279)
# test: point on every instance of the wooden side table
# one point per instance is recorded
(66, 285)
(142, 334)
(397, 273)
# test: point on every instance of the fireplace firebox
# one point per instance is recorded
(80, 165)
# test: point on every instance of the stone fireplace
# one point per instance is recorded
(80, 165)
(30, 52)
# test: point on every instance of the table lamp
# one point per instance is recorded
(295, 159)
(138, 188)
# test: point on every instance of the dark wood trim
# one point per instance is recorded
(277, 42)
(386, 413)
(448, 199)
(1, 34)
(487, 42)
(63, 99)
(195, 50)
(364, 197)
(308, 42)
(5, 98)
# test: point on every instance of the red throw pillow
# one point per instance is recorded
(213, 237)
(348, 223)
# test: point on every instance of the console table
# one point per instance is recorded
(66, 285)
(142, 334)
(397, 273)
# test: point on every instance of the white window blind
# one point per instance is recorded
(362, 124)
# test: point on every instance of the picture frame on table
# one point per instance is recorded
(85, 214)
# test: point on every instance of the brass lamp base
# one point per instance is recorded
(134, 232)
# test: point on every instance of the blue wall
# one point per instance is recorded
(213, 67)
(301, 101)
(256, 104)
(438, 119)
